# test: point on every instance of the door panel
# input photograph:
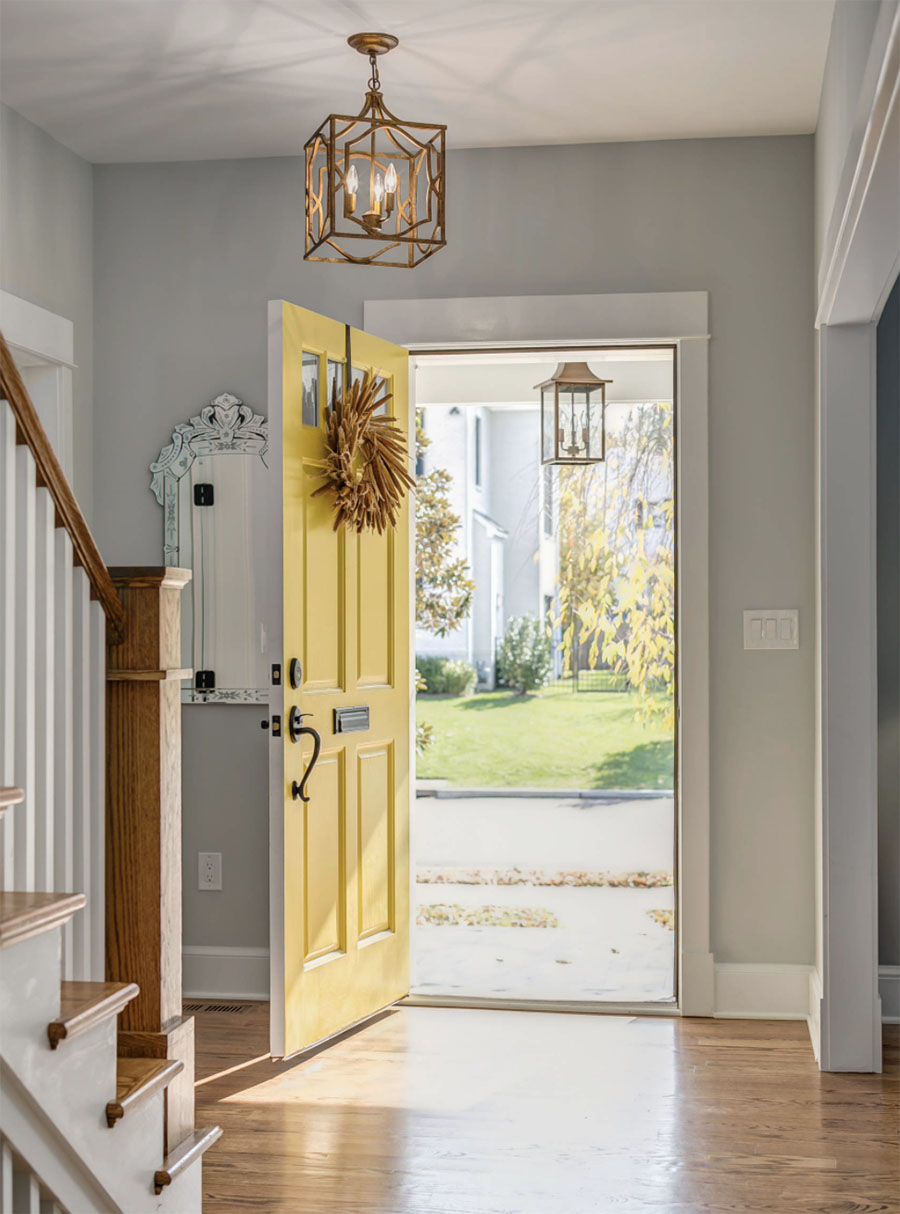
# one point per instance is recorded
(375, 825)
(375, 565)
(346, 616)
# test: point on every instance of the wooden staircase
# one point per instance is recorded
(85, 1017)
(96, 1069)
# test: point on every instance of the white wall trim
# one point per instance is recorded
(848, 873)
(857, 267)
(680, 317)
(889, 990)
(762, 992)
(43, 347)
(861, 257)
(36, 331)
(538, 319)
(213, 972)
(814, 1018)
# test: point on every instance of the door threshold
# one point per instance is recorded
(584, 1007)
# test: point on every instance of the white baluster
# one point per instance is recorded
(81, 805)
(26, 1190)
(7, 634)
(45, 689)
(96, 890)
(64, 725)
(6, 1176)
(26, 500)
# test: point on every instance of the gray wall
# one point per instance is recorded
(188, 254)
(888, 506)
(46, 234)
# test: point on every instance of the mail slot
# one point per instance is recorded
(351, 720)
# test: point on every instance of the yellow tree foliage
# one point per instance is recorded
(615, 601)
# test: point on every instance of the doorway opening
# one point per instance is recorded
(544, 819)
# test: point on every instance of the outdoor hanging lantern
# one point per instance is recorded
(375, 184)
(573, 425)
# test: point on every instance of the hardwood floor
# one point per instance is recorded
(451, 1111)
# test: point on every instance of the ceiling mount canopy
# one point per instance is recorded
(374, 182)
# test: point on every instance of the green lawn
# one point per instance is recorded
(554, 739)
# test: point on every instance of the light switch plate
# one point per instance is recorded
(772, 628)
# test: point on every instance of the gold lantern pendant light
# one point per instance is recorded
(374, 183)
(573, 416)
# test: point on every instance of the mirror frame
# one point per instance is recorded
(226, 424)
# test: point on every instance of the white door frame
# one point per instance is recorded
(858, 267)
(680, 318)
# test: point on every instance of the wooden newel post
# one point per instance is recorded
(143, 827)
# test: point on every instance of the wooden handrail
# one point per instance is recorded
(50, 474)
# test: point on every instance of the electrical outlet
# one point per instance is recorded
(209, 870)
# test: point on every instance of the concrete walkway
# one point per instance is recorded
(606, 947)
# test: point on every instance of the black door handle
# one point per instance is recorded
(296, 730)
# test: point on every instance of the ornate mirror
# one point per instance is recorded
(210, 482)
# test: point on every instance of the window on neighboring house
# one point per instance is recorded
(548, 500)
(478, 451)
(420, 455)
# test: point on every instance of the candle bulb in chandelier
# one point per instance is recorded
(351, 188)
(390, 189)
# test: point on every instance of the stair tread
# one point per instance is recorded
(27, 914)
(138, 1078)
(187, 1152)
(10, 796)
(84, 1004)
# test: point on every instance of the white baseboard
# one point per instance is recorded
(762, 992)
(753, 992)
(210, 972)
(889, 990)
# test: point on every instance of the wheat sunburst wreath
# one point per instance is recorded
(365, 466)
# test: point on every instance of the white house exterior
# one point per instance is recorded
(492, 453)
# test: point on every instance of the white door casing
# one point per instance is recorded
(635, 319)
(857, 270)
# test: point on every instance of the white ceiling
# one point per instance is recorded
(124, 80)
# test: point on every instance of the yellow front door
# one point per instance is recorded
(346, 630)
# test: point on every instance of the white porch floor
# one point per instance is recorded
(606, 947)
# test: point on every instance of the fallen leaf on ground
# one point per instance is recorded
(444, 914)
(541, 876)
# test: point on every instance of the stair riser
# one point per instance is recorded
(72, 1084)
(185, 1194)
(29, 985)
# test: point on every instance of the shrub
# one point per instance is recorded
(523, 657)
(446, 676)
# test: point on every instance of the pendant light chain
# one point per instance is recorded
(374, 79)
